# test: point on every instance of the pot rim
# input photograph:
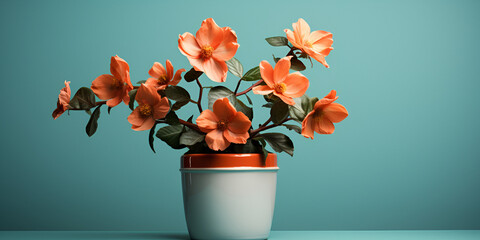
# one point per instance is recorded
(228, 162)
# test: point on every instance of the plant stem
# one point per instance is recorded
(190, 125)
(263, 128)
(199, 102)
(250, 88)
(183, 122)
(238, 85)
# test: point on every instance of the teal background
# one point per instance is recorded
(407, 157)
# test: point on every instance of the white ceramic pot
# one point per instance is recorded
(229, 196)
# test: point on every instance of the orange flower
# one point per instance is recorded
(161, 78)
(324, 114)
(208, 51)
(282, 84)
(317, 44)
(63, 101)
(115, 86)
(151, 106)
(223, 125)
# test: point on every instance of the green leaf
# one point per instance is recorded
(235, 67)
(143, 81)
(171, 135)
(252, 74)
(177, 93)
(303, 105)
(275, 58)
(109, 108)
(264, 150)
(268, 105)
(293, 127)
(279, 112)
(88, 112)
(277, 41)
(296, 64)
(249, 100)
(192, 75)
(221, 92)
(132, 94)
(178, 105)
(279, 142)
(191, 137)
(172, 118)
(84, 99)
(92, 123)
(150, 137)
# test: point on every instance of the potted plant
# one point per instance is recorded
(228, 175)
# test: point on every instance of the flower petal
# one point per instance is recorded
(335, 112)
(308, 126)
(147, 124)
(136, 118)
(209, 34)
(228, 47)
(215, 70)
(65, 93)
(301, 30)
(114, 101)
(119, 68)
(317, 56)
(240, 138)
(323, 125)
(161, 109)
(157, 70)
(266, 71)
(102, 86)
(169, 70)
(285, 99)
(291, 38)
(281, 69)
(262, 90)
(188, 46)
(152, 82)
(178, 76)
(207, 121)
(297, 85)
(321, 38)
(223, 109)
(331, 97)
(239, 124)
(147, 95)
(197, 63)
(216, 141)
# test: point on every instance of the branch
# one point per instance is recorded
(250, 88)
(183, 122)
(199, 102)
(263, 128)
(238, 85)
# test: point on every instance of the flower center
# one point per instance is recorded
(162, 80)
(280, 88)
(206, 52)
(222, 125)
(116, 84)
(146, 110)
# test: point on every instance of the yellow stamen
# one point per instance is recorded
(116, 84)
(146, 110)
(280, 88)
(222, 125)
(162, 80)
(206, 52)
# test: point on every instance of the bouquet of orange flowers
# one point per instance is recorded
(226, 126)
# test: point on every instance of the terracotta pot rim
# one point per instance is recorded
(224, 161)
